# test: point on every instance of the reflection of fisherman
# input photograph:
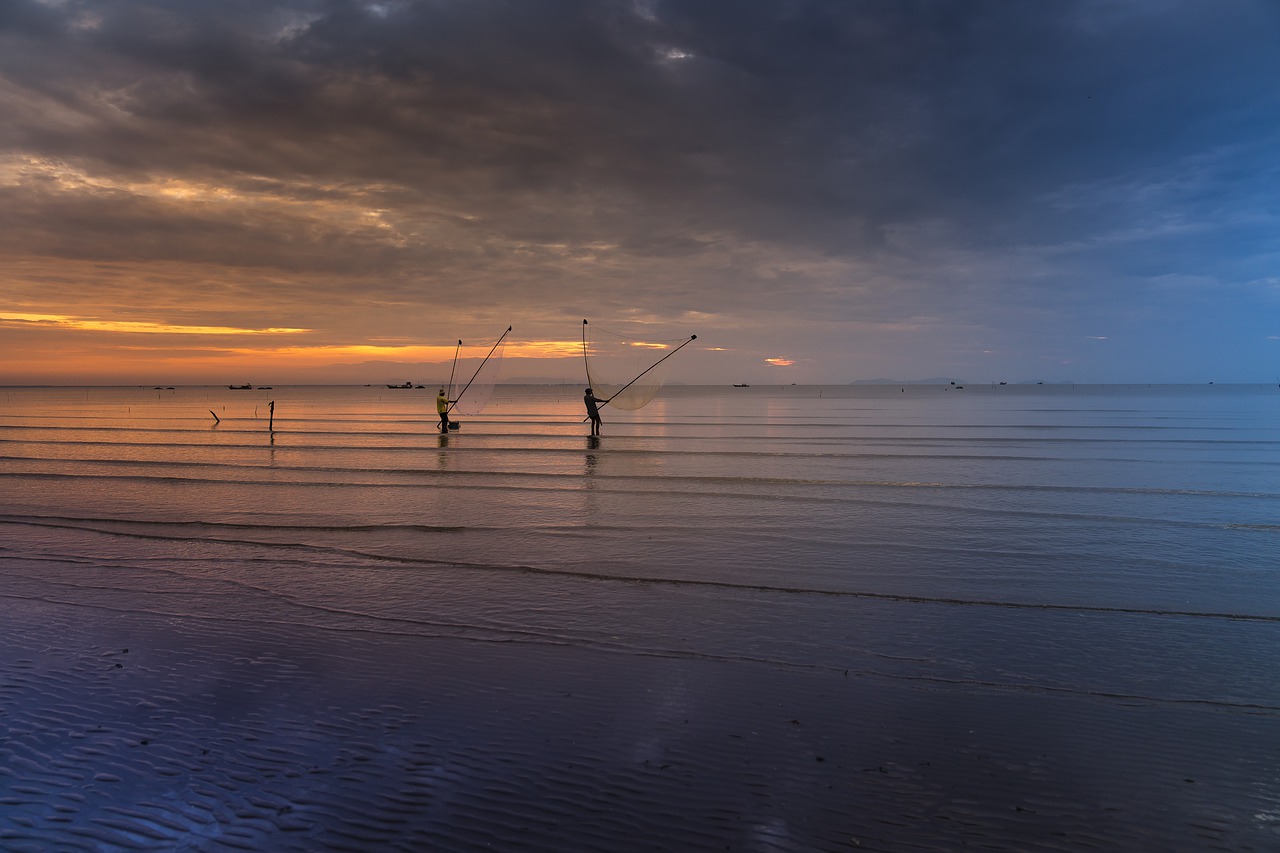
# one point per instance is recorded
(442, 406)
(592, 412)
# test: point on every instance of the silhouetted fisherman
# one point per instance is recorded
(591, 401)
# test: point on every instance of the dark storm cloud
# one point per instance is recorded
(883, 109)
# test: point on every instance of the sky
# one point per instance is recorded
(338, 191)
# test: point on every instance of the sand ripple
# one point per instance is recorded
(142, 733)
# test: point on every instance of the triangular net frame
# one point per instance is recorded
(473, 396)
(613, 360)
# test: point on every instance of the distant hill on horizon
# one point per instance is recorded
(947, 380)
(937, 380)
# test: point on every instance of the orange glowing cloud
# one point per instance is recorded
(135, 327)
(362, 352)
(780, 361)
(515, 349)
(544, 349)
(411, 352)
(347, 214)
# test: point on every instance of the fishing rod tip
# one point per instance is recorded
(693, 337)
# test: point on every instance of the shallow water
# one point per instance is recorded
(769, 618)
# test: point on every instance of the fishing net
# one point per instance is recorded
(475, 393)
(614, 360)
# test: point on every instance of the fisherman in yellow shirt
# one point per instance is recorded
(442, 407)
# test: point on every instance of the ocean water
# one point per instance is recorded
(766, 618)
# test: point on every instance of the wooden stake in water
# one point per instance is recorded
(271, 418)
(216, 420)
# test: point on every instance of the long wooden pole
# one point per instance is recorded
(453, 369)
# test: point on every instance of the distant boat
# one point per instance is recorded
(405, 385)
(741, 385)
(240, 387)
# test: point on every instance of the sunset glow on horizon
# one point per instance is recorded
(120, 349)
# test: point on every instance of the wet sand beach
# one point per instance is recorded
(128, 732)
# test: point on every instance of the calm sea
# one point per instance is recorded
(1091, 572)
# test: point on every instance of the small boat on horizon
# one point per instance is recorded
(741, 385)
(240, 387)
(406, 385)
